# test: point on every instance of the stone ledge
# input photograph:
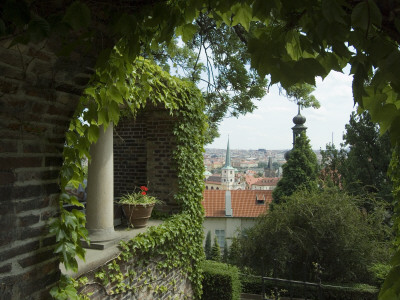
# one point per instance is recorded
(96, 258)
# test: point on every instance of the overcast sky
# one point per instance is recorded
(269, 126)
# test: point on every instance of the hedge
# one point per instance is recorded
(253, 285)
(220, 281)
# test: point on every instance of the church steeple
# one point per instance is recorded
(228, 157)
(228, 172)
(299, 127)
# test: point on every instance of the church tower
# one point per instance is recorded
(228, 172)
(298, 128)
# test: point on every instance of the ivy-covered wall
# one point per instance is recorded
(148, 281)
(178, 241)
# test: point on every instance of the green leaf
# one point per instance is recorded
(188, 31)
(375, 13)
(102, 117)
(115, 94)
(293, 47)
(70, 221)
(242, 15)
(38, 29)
(74, 201)
(360, 15)
(332, 11)
(391, 287)
(262, 8)
(113, 112)
(77, 15)
(93, 133)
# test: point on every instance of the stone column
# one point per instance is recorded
(100, 189)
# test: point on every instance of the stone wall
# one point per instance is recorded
(143, 155)
(150, 283)
(38, 95)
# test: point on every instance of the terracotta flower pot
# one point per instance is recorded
(137, 214)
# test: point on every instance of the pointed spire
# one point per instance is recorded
(228, 156)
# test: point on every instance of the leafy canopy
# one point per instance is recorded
(360, 166)
(325, 227)
(291, 41)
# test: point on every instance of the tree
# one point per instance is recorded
(331, 161)
(215, 251)
(292, 41)
(235, 252)
(232, 86)
(361, 165)
(301, 95)
(299, 172)
(325, 227)
(367, 159)
(225, 254)
(207, 246)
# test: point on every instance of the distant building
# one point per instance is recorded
(207, 174)
(267, 184)
(269, 170)
(228, 172)
(228, 179)
(229, 212)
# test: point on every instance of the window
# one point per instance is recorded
(206, 187)
(231, 180)
(220, 234)
(212, 187)
(231, 172)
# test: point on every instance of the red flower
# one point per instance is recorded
(143, 193)
(143, 188)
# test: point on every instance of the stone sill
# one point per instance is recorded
(95, 258)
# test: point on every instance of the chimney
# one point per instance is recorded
(228, 204)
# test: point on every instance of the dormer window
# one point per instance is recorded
(260, 199)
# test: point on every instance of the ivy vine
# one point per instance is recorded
(125, 89)
(291, 41)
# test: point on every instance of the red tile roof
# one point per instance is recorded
(250, 179)
(267, 181)
(244, 203)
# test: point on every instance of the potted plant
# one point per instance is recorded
(137, 207)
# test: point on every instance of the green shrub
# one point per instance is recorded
(253, 285)
(220, 281)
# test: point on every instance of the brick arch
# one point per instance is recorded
(39, 93)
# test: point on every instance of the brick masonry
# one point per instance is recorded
(146, 281)
(38, 95)
(143, 155)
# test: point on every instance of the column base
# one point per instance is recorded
(100, 238)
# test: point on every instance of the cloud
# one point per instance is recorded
(270, 125)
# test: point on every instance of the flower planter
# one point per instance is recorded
(137, 214)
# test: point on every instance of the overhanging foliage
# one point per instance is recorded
(293, 42)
